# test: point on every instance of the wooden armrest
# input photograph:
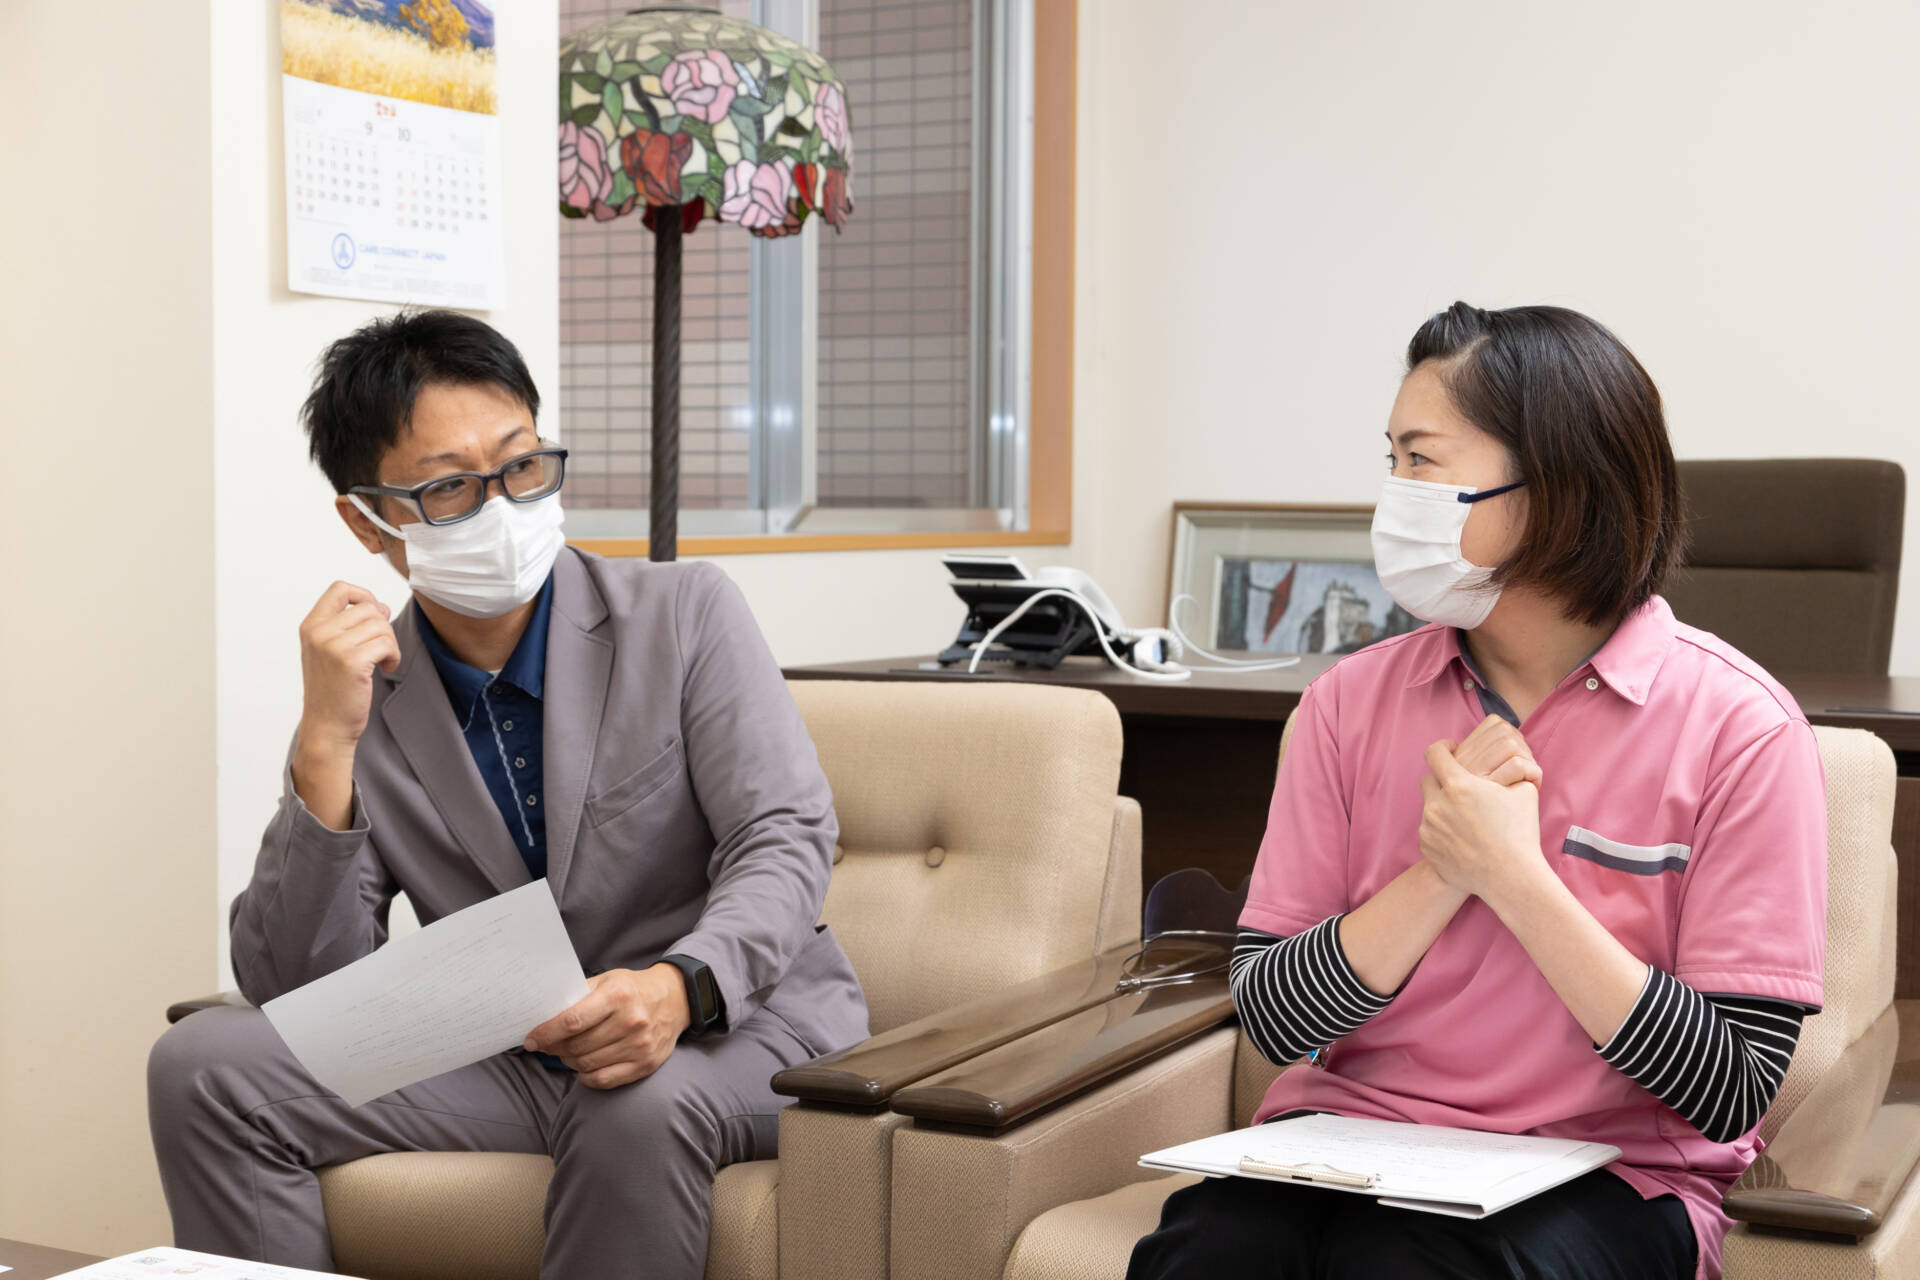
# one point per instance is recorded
(871, 1072)
(175, 1012)
(1006, 1085)
(1842, 1157)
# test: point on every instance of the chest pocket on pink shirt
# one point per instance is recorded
(1631, 889)
(1637, 859)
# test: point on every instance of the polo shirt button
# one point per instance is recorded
(508, 726)
(1592, 684)
(519, 762)
(1467, 685)
(532, 801)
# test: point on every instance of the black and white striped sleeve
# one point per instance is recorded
(1297, 994)
(1716, 1060)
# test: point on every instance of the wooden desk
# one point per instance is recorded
(1200, 756)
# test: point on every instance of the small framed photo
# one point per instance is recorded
(1280, 578)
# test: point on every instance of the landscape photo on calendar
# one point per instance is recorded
(439, 52)
(1304, 606)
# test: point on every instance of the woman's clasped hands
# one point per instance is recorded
(1480, 828)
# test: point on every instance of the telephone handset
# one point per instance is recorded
(1043, 617)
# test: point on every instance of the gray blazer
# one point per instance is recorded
(686, 810)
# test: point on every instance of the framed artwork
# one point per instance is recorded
(1280, 578)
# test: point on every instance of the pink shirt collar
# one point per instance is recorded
(1628, 661)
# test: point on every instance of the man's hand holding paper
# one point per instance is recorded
(462, 989)
(623, 1030)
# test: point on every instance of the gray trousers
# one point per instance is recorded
(239, 1128)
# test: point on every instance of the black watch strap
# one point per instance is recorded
(705, 1010)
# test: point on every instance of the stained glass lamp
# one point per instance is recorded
(690, 115)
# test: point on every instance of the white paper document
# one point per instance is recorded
(153, 1264)
(464, 988)
(1463, 1172)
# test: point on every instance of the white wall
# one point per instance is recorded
(1282, 192)
(278, 542)
(106, 631)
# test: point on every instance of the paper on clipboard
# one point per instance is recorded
(1462, 1172)
(463, 988)
(159, 1263)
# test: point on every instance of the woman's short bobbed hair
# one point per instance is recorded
(1581, 421)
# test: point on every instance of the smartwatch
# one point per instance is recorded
(704, 1009)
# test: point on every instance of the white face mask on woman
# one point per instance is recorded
(491, 563)
(1416, 549)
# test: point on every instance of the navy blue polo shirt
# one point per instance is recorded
(500, 716)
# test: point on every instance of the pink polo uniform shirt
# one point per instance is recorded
(1701, 778)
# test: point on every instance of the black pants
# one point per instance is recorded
(1593, 1228)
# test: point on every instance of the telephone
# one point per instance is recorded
(1041, 618)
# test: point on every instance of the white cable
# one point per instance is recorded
(1099, 633)
(1232, 664)
(1174, 638)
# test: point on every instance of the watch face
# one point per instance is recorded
(703, 995)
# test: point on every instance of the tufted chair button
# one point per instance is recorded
(839, 852)
(936, 856)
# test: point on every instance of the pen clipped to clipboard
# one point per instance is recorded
(1324, 1175)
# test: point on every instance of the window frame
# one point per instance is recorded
(1050, 349)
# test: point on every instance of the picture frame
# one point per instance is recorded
(1266, 578)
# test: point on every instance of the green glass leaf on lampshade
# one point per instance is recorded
(604, 63)
(610, 99)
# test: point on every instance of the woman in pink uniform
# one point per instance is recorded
(1554, 864)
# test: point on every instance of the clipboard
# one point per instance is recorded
(1463, 1173)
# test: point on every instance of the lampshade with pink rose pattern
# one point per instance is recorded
(684, 107)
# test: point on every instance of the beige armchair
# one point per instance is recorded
(987, 883)
(1069, 1201)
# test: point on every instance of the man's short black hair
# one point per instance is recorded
(363, 395)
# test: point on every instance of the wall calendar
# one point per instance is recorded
(392, 151)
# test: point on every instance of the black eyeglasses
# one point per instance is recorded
(451, 499)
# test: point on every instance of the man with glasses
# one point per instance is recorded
(613, 726)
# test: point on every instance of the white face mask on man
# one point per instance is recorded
(1416, 549)
(491, 563)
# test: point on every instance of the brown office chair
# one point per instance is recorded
(1794, 561)
(1059, 1196)
(987, 882)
